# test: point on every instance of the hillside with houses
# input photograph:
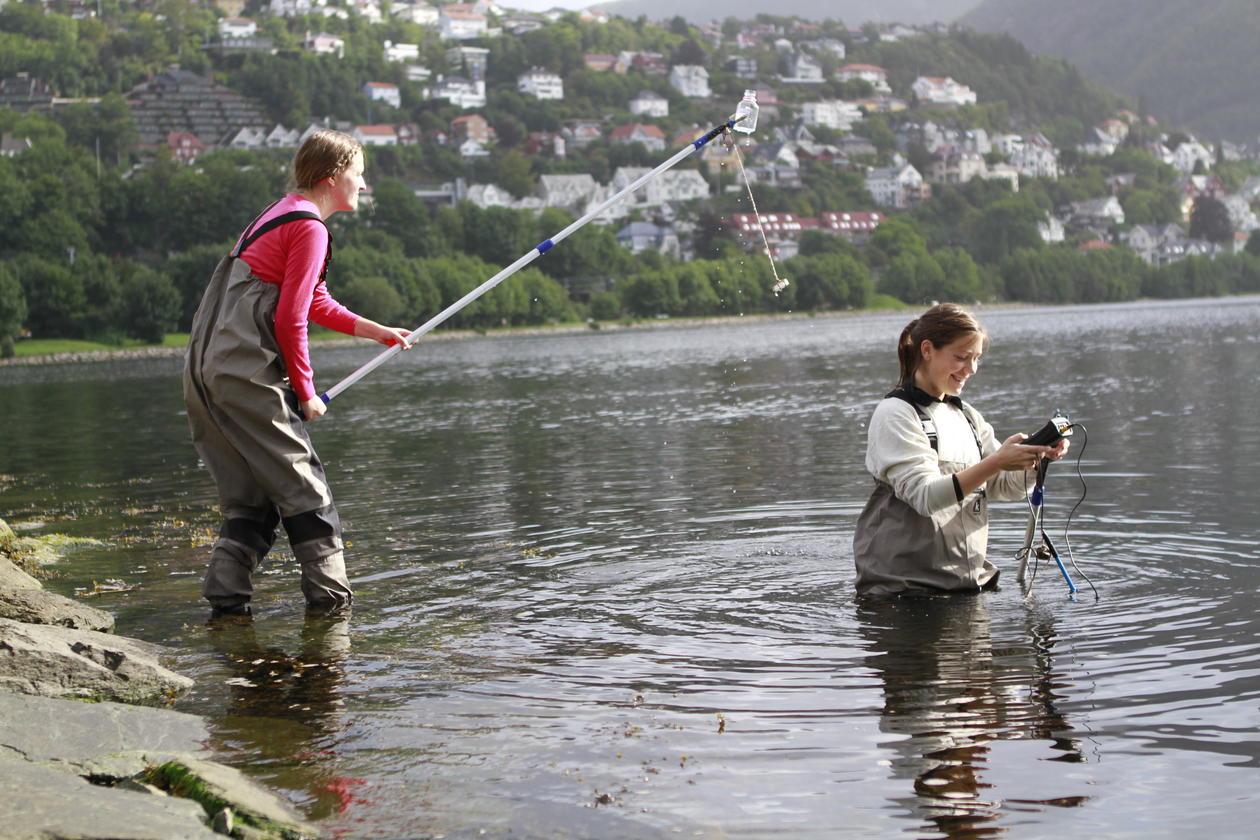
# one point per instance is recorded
(914, 162)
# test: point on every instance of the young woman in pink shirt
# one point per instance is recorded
(248, 382)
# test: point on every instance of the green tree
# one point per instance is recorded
(374, 297)
(149, 307)
(1210, 220)
(12, 310)
(1004, 226)
(651, 293)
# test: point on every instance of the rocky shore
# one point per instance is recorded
(87, 749)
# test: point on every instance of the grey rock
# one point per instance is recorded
(41, 803)
(64, 662)
(11, 577)
(122, 744)
(226, 787)
(90, 735)
(39, 606)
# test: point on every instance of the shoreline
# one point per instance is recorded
(83, 356)
(151, 352)
(80, 356)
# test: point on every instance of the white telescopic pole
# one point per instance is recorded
(525, 260)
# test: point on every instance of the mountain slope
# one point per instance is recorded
(851, 12)
(1190, 62)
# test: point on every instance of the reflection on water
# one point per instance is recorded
(955, 698)
(604, 585)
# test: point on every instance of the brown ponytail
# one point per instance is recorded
(943, 324)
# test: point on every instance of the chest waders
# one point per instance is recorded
(247, 428)
(896, 549)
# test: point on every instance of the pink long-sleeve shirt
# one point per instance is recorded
(292, 257)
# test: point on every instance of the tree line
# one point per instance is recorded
(95, 247)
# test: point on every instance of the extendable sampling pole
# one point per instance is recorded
(525, 260)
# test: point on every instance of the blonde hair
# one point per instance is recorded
(943, 324)
(324, 154)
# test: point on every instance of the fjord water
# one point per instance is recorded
(605, 585)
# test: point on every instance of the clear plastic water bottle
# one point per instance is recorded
(747, 106)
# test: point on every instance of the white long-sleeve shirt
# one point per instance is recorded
(899, 453)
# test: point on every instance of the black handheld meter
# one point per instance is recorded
(1056, 428)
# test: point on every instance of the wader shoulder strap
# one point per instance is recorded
(929, 428)
(252, 234)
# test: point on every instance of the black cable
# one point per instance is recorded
(1067, 540)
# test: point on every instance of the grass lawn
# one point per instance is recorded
(880, 301)
(49, 346)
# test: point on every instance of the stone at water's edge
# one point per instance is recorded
(39, 606)
(217, 787)
(42, 803)
(11, 577)
(64, 662)
(45, 730)
(64, 743)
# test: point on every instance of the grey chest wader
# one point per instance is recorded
(896, 549)
(248, 430)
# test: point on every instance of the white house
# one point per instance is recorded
(423, 14)
(520, 24)
(489, 195)
(803, 68)
(652, 138)
(368, 10)
(690, 80)
(401, 52)
(977, 140)
(649, 103)
(938, 90)
(1098, 210)
(376, 135)
(459, 24)
(829, 45)
(1241, 216)
(1051, 229)
(460, 92)
(293, 8)
(952, 165)
(468, 61)
(471, 148)
(324, 44)
(877, 76)
(1003, 172)
(238, 27)
(1150, 242)
(672, 185)
(282, 138)
(643, 236)
(1098, 142)
(248, 137)
(568, 192)
(1187, 155)
(897, 186)
(386, 92)
(540, 83)
(831, 113)
(1036, 157)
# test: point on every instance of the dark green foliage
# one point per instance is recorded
(92, 248)
(12, 310)
(1210, 220)
(149, 305)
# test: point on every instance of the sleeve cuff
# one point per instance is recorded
(958, 493)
